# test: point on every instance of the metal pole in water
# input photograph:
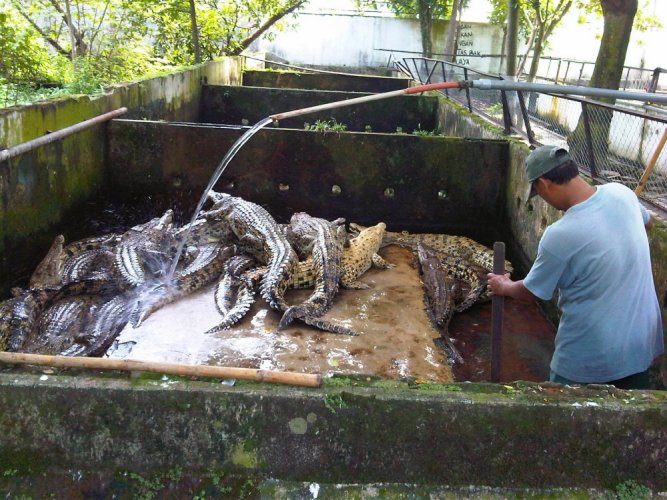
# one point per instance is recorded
(13, 151)
(497, 303)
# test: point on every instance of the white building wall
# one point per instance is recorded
(364, 41)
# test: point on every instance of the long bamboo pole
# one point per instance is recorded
(373, 97)
(275, 377)
(651, 163)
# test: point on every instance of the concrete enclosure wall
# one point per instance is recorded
(40, 187)
(248, 105)
(403, 180)
(515, 436)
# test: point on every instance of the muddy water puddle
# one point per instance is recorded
(395, 335)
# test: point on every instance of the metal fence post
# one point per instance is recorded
(507, 117)
(526, 118)
(465, 77)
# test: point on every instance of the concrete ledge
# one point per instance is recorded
(519, 435)
(323, 81)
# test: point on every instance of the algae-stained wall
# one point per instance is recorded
(248, 105)
(406, 181)
(318, 81)
(38, 188)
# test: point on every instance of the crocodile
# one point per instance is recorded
(93, 243)
(24, 315)
(49, 271)
(361, 255)
(324, 241)
(89, 264)
(106, 320)
(439, 297)
(6, 314)
(144, 250)
(457, 267)
(236, 292)
(258, 234)
(61, 325)
(206, 267)
(437, 285)
(444, 244)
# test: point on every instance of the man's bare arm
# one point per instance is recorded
(500, 284)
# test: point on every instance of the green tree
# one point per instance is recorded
(116, 40)
(619, 16)
(424, 10)
(22, 55)
(537, 21)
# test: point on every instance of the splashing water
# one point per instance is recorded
(214, 178)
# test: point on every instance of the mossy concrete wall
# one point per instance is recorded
(248, 105)
(323, 81)
(40, 187)
(404, 180)
(519, 435)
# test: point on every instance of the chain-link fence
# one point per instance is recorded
(621, 142)
(574, 72)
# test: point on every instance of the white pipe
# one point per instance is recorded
(484, 84)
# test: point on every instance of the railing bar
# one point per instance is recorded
(19, 149)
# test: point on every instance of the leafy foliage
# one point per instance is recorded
(22, 56)
(411, 8)
(83, 44)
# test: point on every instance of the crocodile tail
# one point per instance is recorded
(245, 298)
(329, 326)
(472, 298)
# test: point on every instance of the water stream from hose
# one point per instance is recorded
(214, 178)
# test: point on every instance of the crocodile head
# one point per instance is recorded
(358, 258)
(49, 271)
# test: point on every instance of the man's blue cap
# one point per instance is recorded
(543, 160)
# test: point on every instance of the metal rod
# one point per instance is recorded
(507, 117)
(357, 100)
(290, 378)
(651, 163)
(497, 303)
(484, 84)
(13, 151)
(526, 118)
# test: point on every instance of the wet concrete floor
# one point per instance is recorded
(395, 335)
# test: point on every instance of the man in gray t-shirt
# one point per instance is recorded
(597, 257)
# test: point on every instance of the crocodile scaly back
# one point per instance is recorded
(259, 234)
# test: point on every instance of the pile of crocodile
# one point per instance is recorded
(82, 295)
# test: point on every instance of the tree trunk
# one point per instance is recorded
(264, 27)
(618, 19)
(452, 28)
(537, 53)
(425, 25)
(195, 32)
